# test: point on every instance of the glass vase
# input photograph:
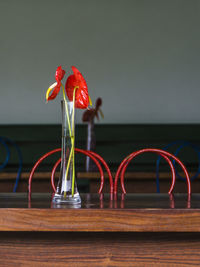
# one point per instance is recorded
(67, 191)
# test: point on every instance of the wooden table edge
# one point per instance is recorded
(100, 220)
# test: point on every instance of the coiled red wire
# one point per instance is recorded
(124, 164)
(94, 156)
(171, 167)
(122, 168)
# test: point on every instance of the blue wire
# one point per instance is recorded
(20, 161)
(3, 165)
(182, 144)
(196, 148)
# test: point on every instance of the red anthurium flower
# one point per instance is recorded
(78, 83)
(55, 87)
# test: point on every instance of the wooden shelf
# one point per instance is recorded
(87, 175)
(134, 213)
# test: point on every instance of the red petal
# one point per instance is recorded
(82, 99)
(55, 92)
(81, 96)
(77, 74)
(69, 86)
(59, 74)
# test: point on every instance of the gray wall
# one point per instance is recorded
(142, 57)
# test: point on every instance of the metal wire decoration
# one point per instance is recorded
(166, 155)
(94, 156)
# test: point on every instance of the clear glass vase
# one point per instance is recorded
(67, 191)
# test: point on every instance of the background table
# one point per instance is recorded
(131, 230)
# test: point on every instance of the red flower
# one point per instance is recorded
(78, 83)
(56, 89)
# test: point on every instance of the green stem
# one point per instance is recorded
(68, 163)
(73, 141)
(66, 107)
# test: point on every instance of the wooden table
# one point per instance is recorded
(130, 230)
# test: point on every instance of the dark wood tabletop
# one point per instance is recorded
(129, 230)
(121, 213)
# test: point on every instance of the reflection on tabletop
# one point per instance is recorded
(104, 201)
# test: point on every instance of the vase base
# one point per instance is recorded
(67, 200)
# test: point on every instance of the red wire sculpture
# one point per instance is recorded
(94, 156)
(171, 167)
(122, 168)
(124, 164)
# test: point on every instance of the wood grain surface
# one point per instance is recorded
(131, 230)
(100, 213)
(100, 220)
(99, 249)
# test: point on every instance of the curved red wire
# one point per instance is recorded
(106, 167)
(172, 171)
(53, 174)
(127, 160)
(87, 154)
(37, 164)
(58, 150)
